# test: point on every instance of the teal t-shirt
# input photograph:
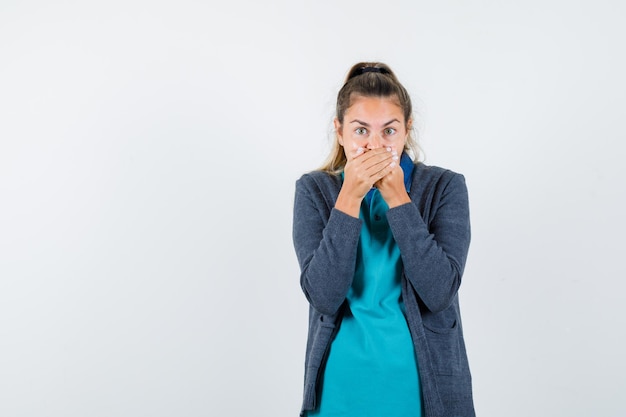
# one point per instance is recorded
(372, 368)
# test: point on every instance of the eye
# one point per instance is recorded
(390, 131)
(360, 131)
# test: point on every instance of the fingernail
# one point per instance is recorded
(392, 164)
(395, 157)
(359, 151)
(388, 149)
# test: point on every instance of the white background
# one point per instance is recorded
(148, 154)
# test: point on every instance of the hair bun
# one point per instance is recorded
(363, 70)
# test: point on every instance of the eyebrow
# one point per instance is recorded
(367, 124)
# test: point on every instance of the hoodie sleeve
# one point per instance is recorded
(434, 253)
(325, 240)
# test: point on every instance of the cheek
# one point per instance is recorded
(349, 143)
(350, 148)
(398, 143)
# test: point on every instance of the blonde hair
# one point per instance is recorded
(370, 79)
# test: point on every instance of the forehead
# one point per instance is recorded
(374, 109)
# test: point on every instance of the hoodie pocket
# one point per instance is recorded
(445, 348)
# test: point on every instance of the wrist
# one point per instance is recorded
(398, 200)
(348, 204)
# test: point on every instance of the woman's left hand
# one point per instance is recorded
(392, 188)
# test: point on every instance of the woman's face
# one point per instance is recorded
(370, 123)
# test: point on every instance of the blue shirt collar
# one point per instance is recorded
(406, 163)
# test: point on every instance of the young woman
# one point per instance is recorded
(382, 242)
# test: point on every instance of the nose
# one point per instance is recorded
(375, 142)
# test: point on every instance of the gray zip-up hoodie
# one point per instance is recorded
(433, 234)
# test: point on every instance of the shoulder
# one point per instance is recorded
(316, 191)
(433, 172)
(430, 184)
(320, 181)
(434, 175)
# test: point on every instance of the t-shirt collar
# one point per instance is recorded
(406, 163)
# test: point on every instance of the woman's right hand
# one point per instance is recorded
(363, 169)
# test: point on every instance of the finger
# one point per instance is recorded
(378, 163)
(357, 152)
(366, 168)
(376, 156)
(385, 171)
